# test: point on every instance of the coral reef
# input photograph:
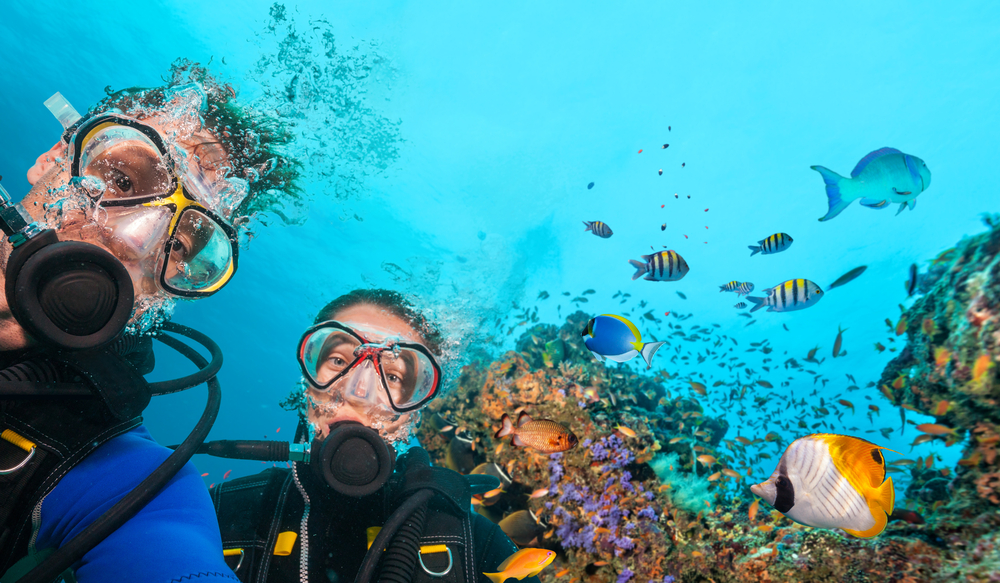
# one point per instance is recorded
(640, 508)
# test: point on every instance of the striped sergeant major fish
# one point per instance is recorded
(794, 294)
(741, 288)
(662, 266)
(598, 228)
(776, 243)
(832, 481)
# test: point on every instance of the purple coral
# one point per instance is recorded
(625, 575)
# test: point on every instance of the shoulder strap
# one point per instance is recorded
(249, 511)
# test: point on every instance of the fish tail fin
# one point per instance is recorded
(758, 303)
(496, 577)
(834, 194)
(648, 350)
(640, 268)
(755, 249)
(590, 227)
(878, 514)
(506, 428)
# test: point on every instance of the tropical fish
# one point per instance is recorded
(941, 356)
(492, 469)
(539, 493)
(928, 327)
(935, 429)
(740, 305)
(590, 185)
(707, 459)
(662, 266)
(523, 563)
(911, 280)
(847, 277)
(698, 388)
(598, 228)
(983, 364)
(839, 340)
(459, 456)
(543, 435)
(754, 507)
(626, 431)
(615, 338)
(832, 481)
(745, 288)
(882, 177)
(775, 243)
(521, 526)
(663, 227)
(731, 286)
(905, 515)
(555, 351)
(794, 294)
(942, 408)
(682, 296)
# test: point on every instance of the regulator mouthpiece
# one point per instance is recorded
(353, 459)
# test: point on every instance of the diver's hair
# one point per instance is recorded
(391, 301)
(254, 141)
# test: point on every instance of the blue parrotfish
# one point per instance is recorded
(883, 177)
(615, 338)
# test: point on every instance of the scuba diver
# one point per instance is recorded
(143, 199)
(352, 505)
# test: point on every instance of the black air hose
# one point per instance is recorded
(415, 502)
(39, 370)
(401, 557)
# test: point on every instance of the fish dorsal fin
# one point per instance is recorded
(860, 461)
(523, 418)
(870, 158)
(761, 242)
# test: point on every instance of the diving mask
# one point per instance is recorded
(154, 222)
(401, 375)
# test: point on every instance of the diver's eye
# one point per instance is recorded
(178, 246)
(393, 379)
(122, 182)
(337, 361)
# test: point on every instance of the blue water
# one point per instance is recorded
(503, 113)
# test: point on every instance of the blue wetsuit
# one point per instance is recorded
(174, 538)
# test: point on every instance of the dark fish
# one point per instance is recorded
(543, 295)
(589, 186)
(740, 305)
(838, 341)
(847, 277)
(785, 327)
(662, 266)
(521, 526)
(543, 435)
(661, 171)
(598, 228)
(905, 515)
(665, 146)
(683, 297)
(663, 227)
(460, 456)
(911, 280)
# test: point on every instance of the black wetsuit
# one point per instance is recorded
(254, 510)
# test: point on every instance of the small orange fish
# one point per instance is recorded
(743, 440)
(731, 473)
(873, 408)
(754, 508)
(983, 364)
(626, 431)
(921, 439)
(935, 429)
(562, 573)
(941, 356)
(600, 563)
(226, 475)
(901, 326)
(888, 393)
(698, 388)
(706, 459)
(539, 493)
(715, 476)
(205, 474)
(542, 435)
(847, 404)
(696, 554)
(524, 563)
(675, 440)
(601, 530)
(900, 382)
(879, 347)
(765, 528)
(765, 384)
(928, 327)
(941, 409)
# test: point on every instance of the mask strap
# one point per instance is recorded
(61, 109)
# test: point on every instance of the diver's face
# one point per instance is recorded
(328, 407)
(54, 202)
